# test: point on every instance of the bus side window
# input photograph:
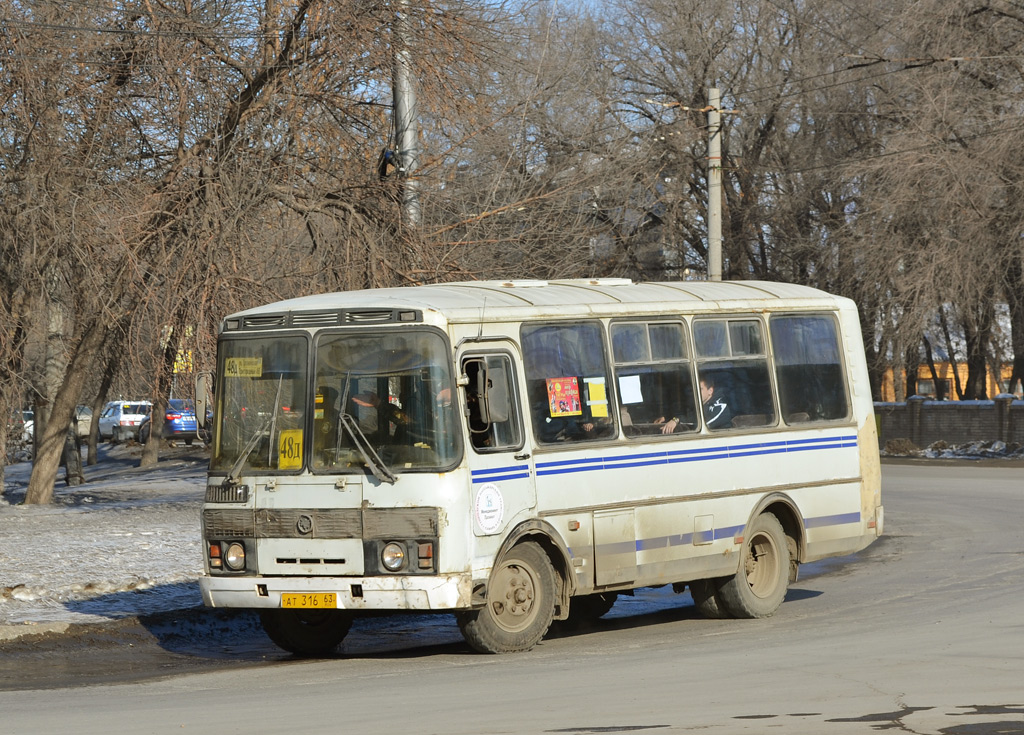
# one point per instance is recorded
(568, 382)
(735, 385)
(654, 378)
(491, 409)
(809, 368)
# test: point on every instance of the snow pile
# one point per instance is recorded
(943, 450)
(125, 543)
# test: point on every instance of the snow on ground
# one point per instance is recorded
(942, 450)
(125, 543)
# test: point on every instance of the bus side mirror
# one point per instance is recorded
(204, 382)
(493, 392)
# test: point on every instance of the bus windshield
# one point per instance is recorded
(380, 402)
(392, 391)
(261, 404)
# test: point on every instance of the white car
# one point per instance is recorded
(83, 420)
(120, 420)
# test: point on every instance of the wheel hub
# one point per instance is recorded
(518, 598)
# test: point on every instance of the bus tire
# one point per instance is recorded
(705, 598)
(520, 603)
(759, 586)
(306, 633)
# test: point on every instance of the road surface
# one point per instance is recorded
(923, 632)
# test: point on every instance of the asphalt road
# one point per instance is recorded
(923, 632)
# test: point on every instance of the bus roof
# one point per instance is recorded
(473, 301)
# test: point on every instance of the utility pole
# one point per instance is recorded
(714, 186)
(406, 129)
(714, 213)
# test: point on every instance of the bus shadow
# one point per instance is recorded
(227, 634)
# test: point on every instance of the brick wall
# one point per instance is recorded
(924, 422)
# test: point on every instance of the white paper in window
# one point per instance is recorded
(629, 389)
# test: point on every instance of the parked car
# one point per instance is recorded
(83, 416)
(28, 426)
(23, 426)
(121, 420)
(179, 422)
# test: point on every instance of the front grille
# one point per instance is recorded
(228, 493)
(321, 523)
(264, 322)
(337, 523)
(382, 316)
(342, 317)
(385, 523)
(228, 523)
(314, 318)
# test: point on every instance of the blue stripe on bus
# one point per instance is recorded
(730, 532)
(694, 455)
(834, 520)
(493, 474)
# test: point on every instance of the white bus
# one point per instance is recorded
(522, 452)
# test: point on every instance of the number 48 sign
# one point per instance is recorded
(289, 450)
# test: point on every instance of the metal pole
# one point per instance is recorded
(406, 130)
(714, 186)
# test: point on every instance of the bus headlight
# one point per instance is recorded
(234, 557)
(392, 556)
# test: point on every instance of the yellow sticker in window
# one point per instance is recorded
(289, 450)
(243, 367)
(598, 397)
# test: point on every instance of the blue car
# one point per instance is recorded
(179, 422)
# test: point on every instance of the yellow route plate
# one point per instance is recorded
(309, 600)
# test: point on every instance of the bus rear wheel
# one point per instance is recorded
(307, 633)
(759, 586)
(520, 603)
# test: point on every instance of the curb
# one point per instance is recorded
(14, 632)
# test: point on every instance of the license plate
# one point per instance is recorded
(309, 600)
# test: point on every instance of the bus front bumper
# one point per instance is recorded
(442, 592)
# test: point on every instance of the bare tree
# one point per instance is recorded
(207, 152)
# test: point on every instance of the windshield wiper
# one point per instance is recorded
(270, 423)
(370, 456)
(246, 451)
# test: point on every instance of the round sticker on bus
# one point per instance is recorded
(490, 508)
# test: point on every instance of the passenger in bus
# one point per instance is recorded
(564, 428)
(715, 406)
(655, 416)
(668, 425)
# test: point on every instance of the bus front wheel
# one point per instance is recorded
(760, 585)
(520, 603)
(308, 633)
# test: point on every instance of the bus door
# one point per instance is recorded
(499, 457)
